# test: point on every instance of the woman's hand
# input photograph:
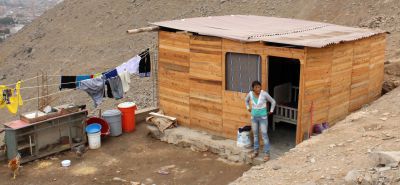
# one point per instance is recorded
(270, 113)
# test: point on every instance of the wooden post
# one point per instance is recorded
(310, 130)
(153, 78)
(38, 94)
(44, 100)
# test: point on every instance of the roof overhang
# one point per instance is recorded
(250, 28)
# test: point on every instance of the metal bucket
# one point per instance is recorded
(113, 117)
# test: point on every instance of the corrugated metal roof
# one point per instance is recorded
(250, 28)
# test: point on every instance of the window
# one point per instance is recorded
(241, 70)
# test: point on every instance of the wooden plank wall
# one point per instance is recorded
(360, 74)
(376, 73)
(173, 75)
(235, 114)
(341, 71)
(336, 79)
(206, 83)
(340, 79)
(368, 70)
(316, 83)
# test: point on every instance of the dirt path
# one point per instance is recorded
(327, 158)
(132, 157)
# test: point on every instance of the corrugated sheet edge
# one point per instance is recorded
(363, 36)
(376, 32)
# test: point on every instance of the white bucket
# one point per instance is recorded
(243, 139)
(94, 140)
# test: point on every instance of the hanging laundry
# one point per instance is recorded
(68, 82)
(144, 53)
(145, 64)
(15, 99)
(116, 87)
(95, 89)
(121, 68)
(111, 73)
(108, 90)
(146, 74)
(79, 78)
(125, 80)
(3, 100)
(7, 93)
(132, 66)
(97, 75)
(11, 98)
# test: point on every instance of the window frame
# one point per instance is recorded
(259, 65)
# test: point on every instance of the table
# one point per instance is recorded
(40, 139)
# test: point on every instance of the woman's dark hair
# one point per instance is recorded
(255, 83)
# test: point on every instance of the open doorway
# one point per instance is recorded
(283, 86)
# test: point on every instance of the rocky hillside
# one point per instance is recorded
(80, 37)
(345, 154)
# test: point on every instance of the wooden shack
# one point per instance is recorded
(317, 72)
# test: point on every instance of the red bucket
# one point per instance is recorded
(105, 128)
(128, 116)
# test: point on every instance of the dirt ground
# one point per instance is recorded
(328, 157)
(132, 157)
(282, 139)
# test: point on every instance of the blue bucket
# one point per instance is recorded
(93, 128)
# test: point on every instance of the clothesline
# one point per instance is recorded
(47, 95)
(114, 82)
(147, 52)
(144, 54)
(23, 80)
(57, 84)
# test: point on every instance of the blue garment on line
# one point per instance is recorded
(110, 74)
(144, 74)
(79, 78)
(95, 88)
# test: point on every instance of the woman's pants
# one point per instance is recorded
(260, 123)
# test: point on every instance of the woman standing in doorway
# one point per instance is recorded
(259, 116)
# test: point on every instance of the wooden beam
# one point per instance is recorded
(162, 116)
(299, 125)
(144, 29)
